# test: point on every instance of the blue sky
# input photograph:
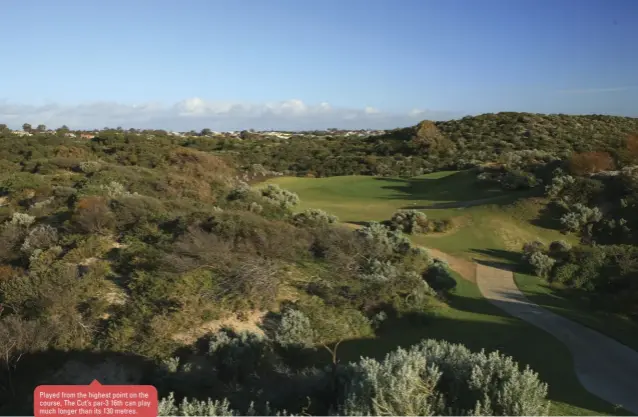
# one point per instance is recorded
(375, 62)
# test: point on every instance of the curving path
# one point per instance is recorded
(605, 367)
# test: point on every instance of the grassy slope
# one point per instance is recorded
(497, 226)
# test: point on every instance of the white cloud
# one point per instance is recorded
(371, 110)
(196, 113)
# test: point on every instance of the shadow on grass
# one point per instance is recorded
(458, 190)
(512, 337)
(548, 218)
(485, 328)
(501, 259)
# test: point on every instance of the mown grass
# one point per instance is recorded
(485, 217)
(576, 306)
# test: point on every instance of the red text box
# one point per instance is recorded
(95, 400)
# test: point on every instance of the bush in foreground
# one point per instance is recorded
(431, 378)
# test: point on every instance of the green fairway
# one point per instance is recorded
(471, 320)
(486, 217)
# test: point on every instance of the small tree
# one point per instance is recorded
(27, 127)
(315, 324)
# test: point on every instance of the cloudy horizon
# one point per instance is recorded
(196, 114)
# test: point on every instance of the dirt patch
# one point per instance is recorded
(118, 245)
(465, 269)
(250, 322)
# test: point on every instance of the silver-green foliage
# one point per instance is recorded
(409, 221)
(21, 219)
(541, 263)
(169, 407)
(40, 237)
(374, 270)
(279, 196)
(440, 378)
(559, 182)
(295, 330)
(313, 217)
(383, 239)
(579, 216)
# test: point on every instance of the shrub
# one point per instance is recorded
(238, 356)
(532, 247)
(409, 221)
(313, 218)
(559, 182)
(130, 211)
(440, 225)
(383, 241)
(541, 263)
(565, 273)
(580, 216)
(11, 237)
(251, 280)
(240, 192)
(440, 378)
(40, 237)
(295, 330)
(590, 162)
(374, 270)
(278, 196)
(114, 189)
(168, 407)
(89, 167)
(93, 215)
(517, 179)
(22, 219)
(439, 276)
(559, 248)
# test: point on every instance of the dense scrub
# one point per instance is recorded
(601, 210)
(134, 250)
(432, 146)
(137, 248)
